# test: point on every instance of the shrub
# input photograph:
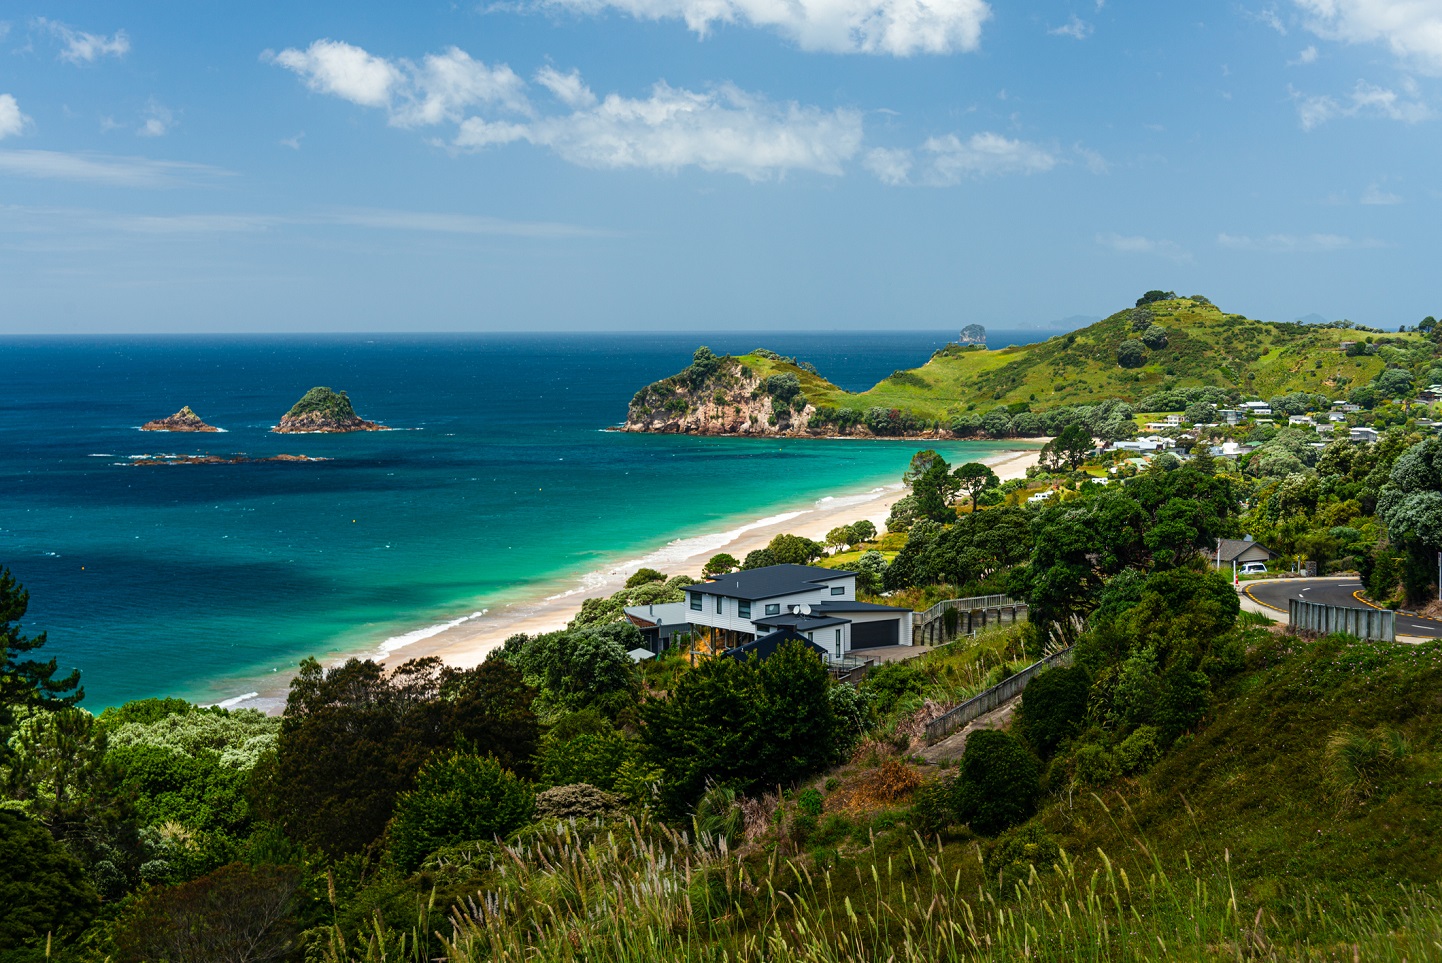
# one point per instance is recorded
(577, 801)
(1094, 765)
(931, 807)
(592, 758)
(1053, 706)
(644, 575)
(1356, 761)
(457, 797)
(1138, 751)
(1131, 353)
(1015, 852)
(809, 801)
(1155, 337)
(999, 784)
(891, 682)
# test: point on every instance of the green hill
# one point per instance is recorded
(1179, 343)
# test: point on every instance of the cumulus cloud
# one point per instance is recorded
(80, 47)
(948, 160)
(1295, 243)
(1307, 56)
(1412, 29)
(157, 121)
(1365, 100)
(1376, 196)
(1138, 244)
(1076, 28)
(899, 28)
(723, 129)
(12, 122)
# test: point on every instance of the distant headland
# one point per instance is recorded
(182, 420)
(323, 410)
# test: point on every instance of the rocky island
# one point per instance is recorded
(148, 460)
(182, 420)
(324, 410)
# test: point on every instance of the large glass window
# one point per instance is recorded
(695, 601)
(774, 608)
(743, 609)
(838, 590)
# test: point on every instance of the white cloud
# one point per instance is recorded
(1375, 195)
(1307, 56)
(1365, 100)
(159, 119)
(948, 160)
(1295, 243)
(85, 48)
(1411, 28)
(1076, 28)
(105, 169)
(292, 142)
(12, 122)
(724, 129)
(899, 28)
(1137, 244)
(1093, 160)
(440, 88)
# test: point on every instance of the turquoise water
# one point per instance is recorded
(201, 580)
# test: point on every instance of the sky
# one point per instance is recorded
(532, 165)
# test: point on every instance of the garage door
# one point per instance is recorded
(869, 635)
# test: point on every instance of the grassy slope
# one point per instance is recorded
(1206, 347)
(1255, 781)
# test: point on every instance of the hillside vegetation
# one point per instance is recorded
(1163, 346)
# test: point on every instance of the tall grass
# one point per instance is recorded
(633, 892)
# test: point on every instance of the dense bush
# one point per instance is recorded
(888, 684)
(1131, 354)
(1053, 706)
(1155, 337)
(43, 889)
(576, 801)
(932, 807)
(458, 796)
(1011, 858)
(999, 785)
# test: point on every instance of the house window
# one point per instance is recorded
(695, 601)
(719, 600)
(743, 609)
(838, 590)
(773, 608)
(838, 643)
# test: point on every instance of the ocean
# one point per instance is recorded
(501, 484)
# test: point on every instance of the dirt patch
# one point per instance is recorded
(951, 748)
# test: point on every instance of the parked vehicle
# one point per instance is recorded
(1254, 568)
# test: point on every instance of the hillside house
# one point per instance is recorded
(819, 605)
(1239, 551)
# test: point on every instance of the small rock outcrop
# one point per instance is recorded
(324, 410)
(182, 420)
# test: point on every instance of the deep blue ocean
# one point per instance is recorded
(199, 580)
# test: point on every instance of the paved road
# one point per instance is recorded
(1330, 591)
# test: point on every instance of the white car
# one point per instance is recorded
(1254, 568)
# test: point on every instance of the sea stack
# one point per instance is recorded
(182, 420)
(324, 410)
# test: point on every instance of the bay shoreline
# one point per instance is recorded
(465, 641)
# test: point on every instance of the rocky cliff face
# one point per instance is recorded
(182, 420)
(324, 410)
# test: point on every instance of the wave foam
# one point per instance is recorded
(237, 700)
(397, 642)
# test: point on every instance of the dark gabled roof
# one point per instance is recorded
(768, 582)
(842, 605)
(801, 623)
(1229, 548)
(767, 645)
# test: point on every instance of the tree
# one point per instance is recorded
(43, 889)
(26, 681)
(238, 913)
(1131, 354)
(758, 558)
(582, 666)
(458, 797)
(1411, 505)
(1053, 706)
(1071, 447)
(920, 463)
(973, 478)
(1393, 383)
(720, 564)
(794, 550)
(1151, 297)
(1155, 337)
(799, 729)
(935, 491)
(644, 576)
(863, 531)
(839, 537)
(999, 785)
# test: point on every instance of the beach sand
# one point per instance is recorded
(466, 644)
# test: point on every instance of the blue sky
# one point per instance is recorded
(668, 164)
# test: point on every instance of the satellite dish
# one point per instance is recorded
(805, 609)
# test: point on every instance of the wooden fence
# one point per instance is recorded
(998, 695)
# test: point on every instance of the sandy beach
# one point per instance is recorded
(467, 642)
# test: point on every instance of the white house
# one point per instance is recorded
(818, 604)
(1299, 419)
(1364, 435)
(1256, 408)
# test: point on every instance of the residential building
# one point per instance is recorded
(817, 604)
(1240, 551)
(1254, 408)
(1299, 419)
(1365, 436)
(1231, 416)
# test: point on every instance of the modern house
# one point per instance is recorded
(1241, 551)
(816, 604)
(1364, 436)
(1255, 408)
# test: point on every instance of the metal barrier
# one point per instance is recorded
(1379, 625)
(998, 695)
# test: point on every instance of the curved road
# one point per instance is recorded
(1273, 596)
